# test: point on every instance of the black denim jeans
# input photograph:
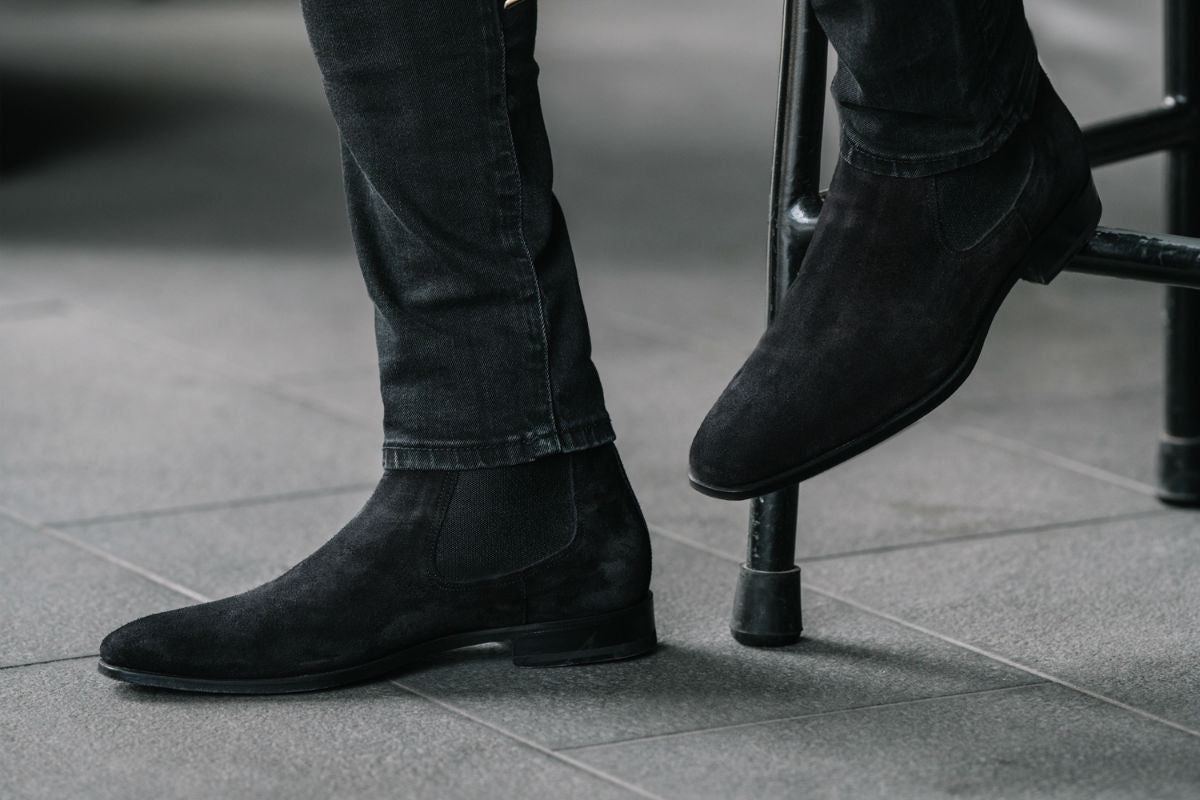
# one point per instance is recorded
(484, 351)
(927, 86)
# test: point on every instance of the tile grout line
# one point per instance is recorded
(67, 539)
(215, 505)
(530, 743)
(797, 717)
(1037, 673)
(1017, 447)
(1008, 662)
(207, 361)
(961, 539)
(669, 334)
(47, 661)
(987, 535)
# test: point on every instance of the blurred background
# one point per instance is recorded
(198, 126)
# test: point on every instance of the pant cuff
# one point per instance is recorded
(1015, 104)
(518, 450)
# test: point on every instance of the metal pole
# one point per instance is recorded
(1179, 447)
(766, 607)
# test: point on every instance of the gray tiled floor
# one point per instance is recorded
(68, 734)
(1036, 741)
(105, 423)
(702, 678)
(995, 606)
(57, 598)
(1070, 602)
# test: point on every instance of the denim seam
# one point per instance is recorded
(502, 443)
(495, 454)
(855, 153)
(496, 20)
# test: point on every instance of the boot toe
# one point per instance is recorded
(711, 460)
(140, 645)
(735, 449)
(171, 642)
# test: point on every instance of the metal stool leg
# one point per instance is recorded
(1179, 448)
(766, 607)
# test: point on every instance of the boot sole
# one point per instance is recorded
(615, 636)
(1048, 254)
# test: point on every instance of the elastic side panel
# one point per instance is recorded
(974, 199)
(502, 520)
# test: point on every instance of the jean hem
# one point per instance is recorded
(481, 455)
(1015, 108)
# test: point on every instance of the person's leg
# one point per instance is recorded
(961, 172)
(483, 344)
(504, 513)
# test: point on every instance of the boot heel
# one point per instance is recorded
(590, 640)
(1066, 236)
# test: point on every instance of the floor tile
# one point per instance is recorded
(352, 392)
(1080, 336)
(57, 601)
(100, 425)
(700, 677)
(69, 732)
(1117, 432)
(223, 551)
(1039, 741)
(1114, 608)
(271, 315)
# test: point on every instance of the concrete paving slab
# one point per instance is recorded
(58, 601)
(69, 732)
(224, 551)
(702, 678)
(1039, 741)
(1117, 432)
(1113, 608)
(272, 316)
(714, 310)
(98, 424)
(1080, 336)
(352, 392)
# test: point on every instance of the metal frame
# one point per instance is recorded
(767, 602)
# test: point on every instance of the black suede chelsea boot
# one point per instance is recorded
(552, 556)
(892, 302)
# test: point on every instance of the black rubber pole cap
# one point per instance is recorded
(766, 608)
(1179, 471)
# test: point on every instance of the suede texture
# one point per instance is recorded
(901, 278)
(374, 590)
(607, 565)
